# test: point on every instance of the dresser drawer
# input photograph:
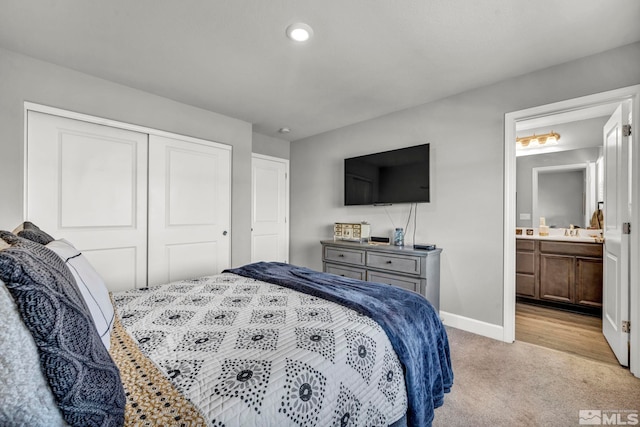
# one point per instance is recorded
(350, 272)
(412, 284)
(341, 255)
(401, 263)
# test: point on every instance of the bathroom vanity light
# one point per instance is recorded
(534, 140)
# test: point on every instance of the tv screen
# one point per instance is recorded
(396, 176)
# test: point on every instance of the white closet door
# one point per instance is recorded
(189, 209)
(87, 183)
(269, 209)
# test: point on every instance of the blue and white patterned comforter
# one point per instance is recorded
(250, 353)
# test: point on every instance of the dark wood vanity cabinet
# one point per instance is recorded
(569, 273)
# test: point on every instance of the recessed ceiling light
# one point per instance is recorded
(299, 32)
(284, 130)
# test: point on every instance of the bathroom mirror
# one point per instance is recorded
(562, 187)
(563, 194)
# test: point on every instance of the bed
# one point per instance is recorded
(266, 344)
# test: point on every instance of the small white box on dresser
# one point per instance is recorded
(357, 231)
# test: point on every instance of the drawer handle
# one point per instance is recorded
(341, 255)
(388, 262)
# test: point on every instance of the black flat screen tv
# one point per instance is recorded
(396, 176)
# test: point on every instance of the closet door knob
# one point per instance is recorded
(224, 233)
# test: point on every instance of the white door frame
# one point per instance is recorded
(509, 297)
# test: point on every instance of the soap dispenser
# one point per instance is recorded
(543, 229)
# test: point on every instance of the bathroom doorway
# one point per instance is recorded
(561, 186)
(553, 114)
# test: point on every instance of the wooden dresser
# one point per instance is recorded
(411, 269)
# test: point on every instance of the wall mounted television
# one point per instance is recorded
(396, 176)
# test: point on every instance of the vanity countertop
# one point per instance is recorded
(558, 234)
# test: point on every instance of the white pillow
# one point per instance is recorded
(92, 287)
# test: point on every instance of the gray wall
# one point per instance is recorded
(524, 174)
(25, 79)
(465, 216)
(269, 146)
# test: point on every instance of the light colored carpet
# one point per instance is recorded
(521, 384)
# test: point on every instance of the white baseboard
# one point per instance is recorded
(478, 327)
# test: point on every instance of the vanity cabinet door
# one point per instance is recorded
(589, 281)
(526, 270)
(557, 278)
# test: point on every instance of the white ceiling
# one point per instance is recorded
(367, 57)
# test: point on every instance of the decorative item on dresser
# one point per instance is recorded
(411, 269)
(358, 232)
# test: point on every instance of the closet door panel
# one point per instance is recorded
(87, 183)
(189, 209)
(97, 182)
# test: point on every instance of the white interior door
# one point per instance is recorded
(87, 183)
(270, 209)
(189, 209)
(615, 298)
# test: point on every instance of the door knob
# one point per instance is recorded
(224, 233)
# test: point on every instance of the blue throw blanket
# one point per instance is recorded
(410, 321)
